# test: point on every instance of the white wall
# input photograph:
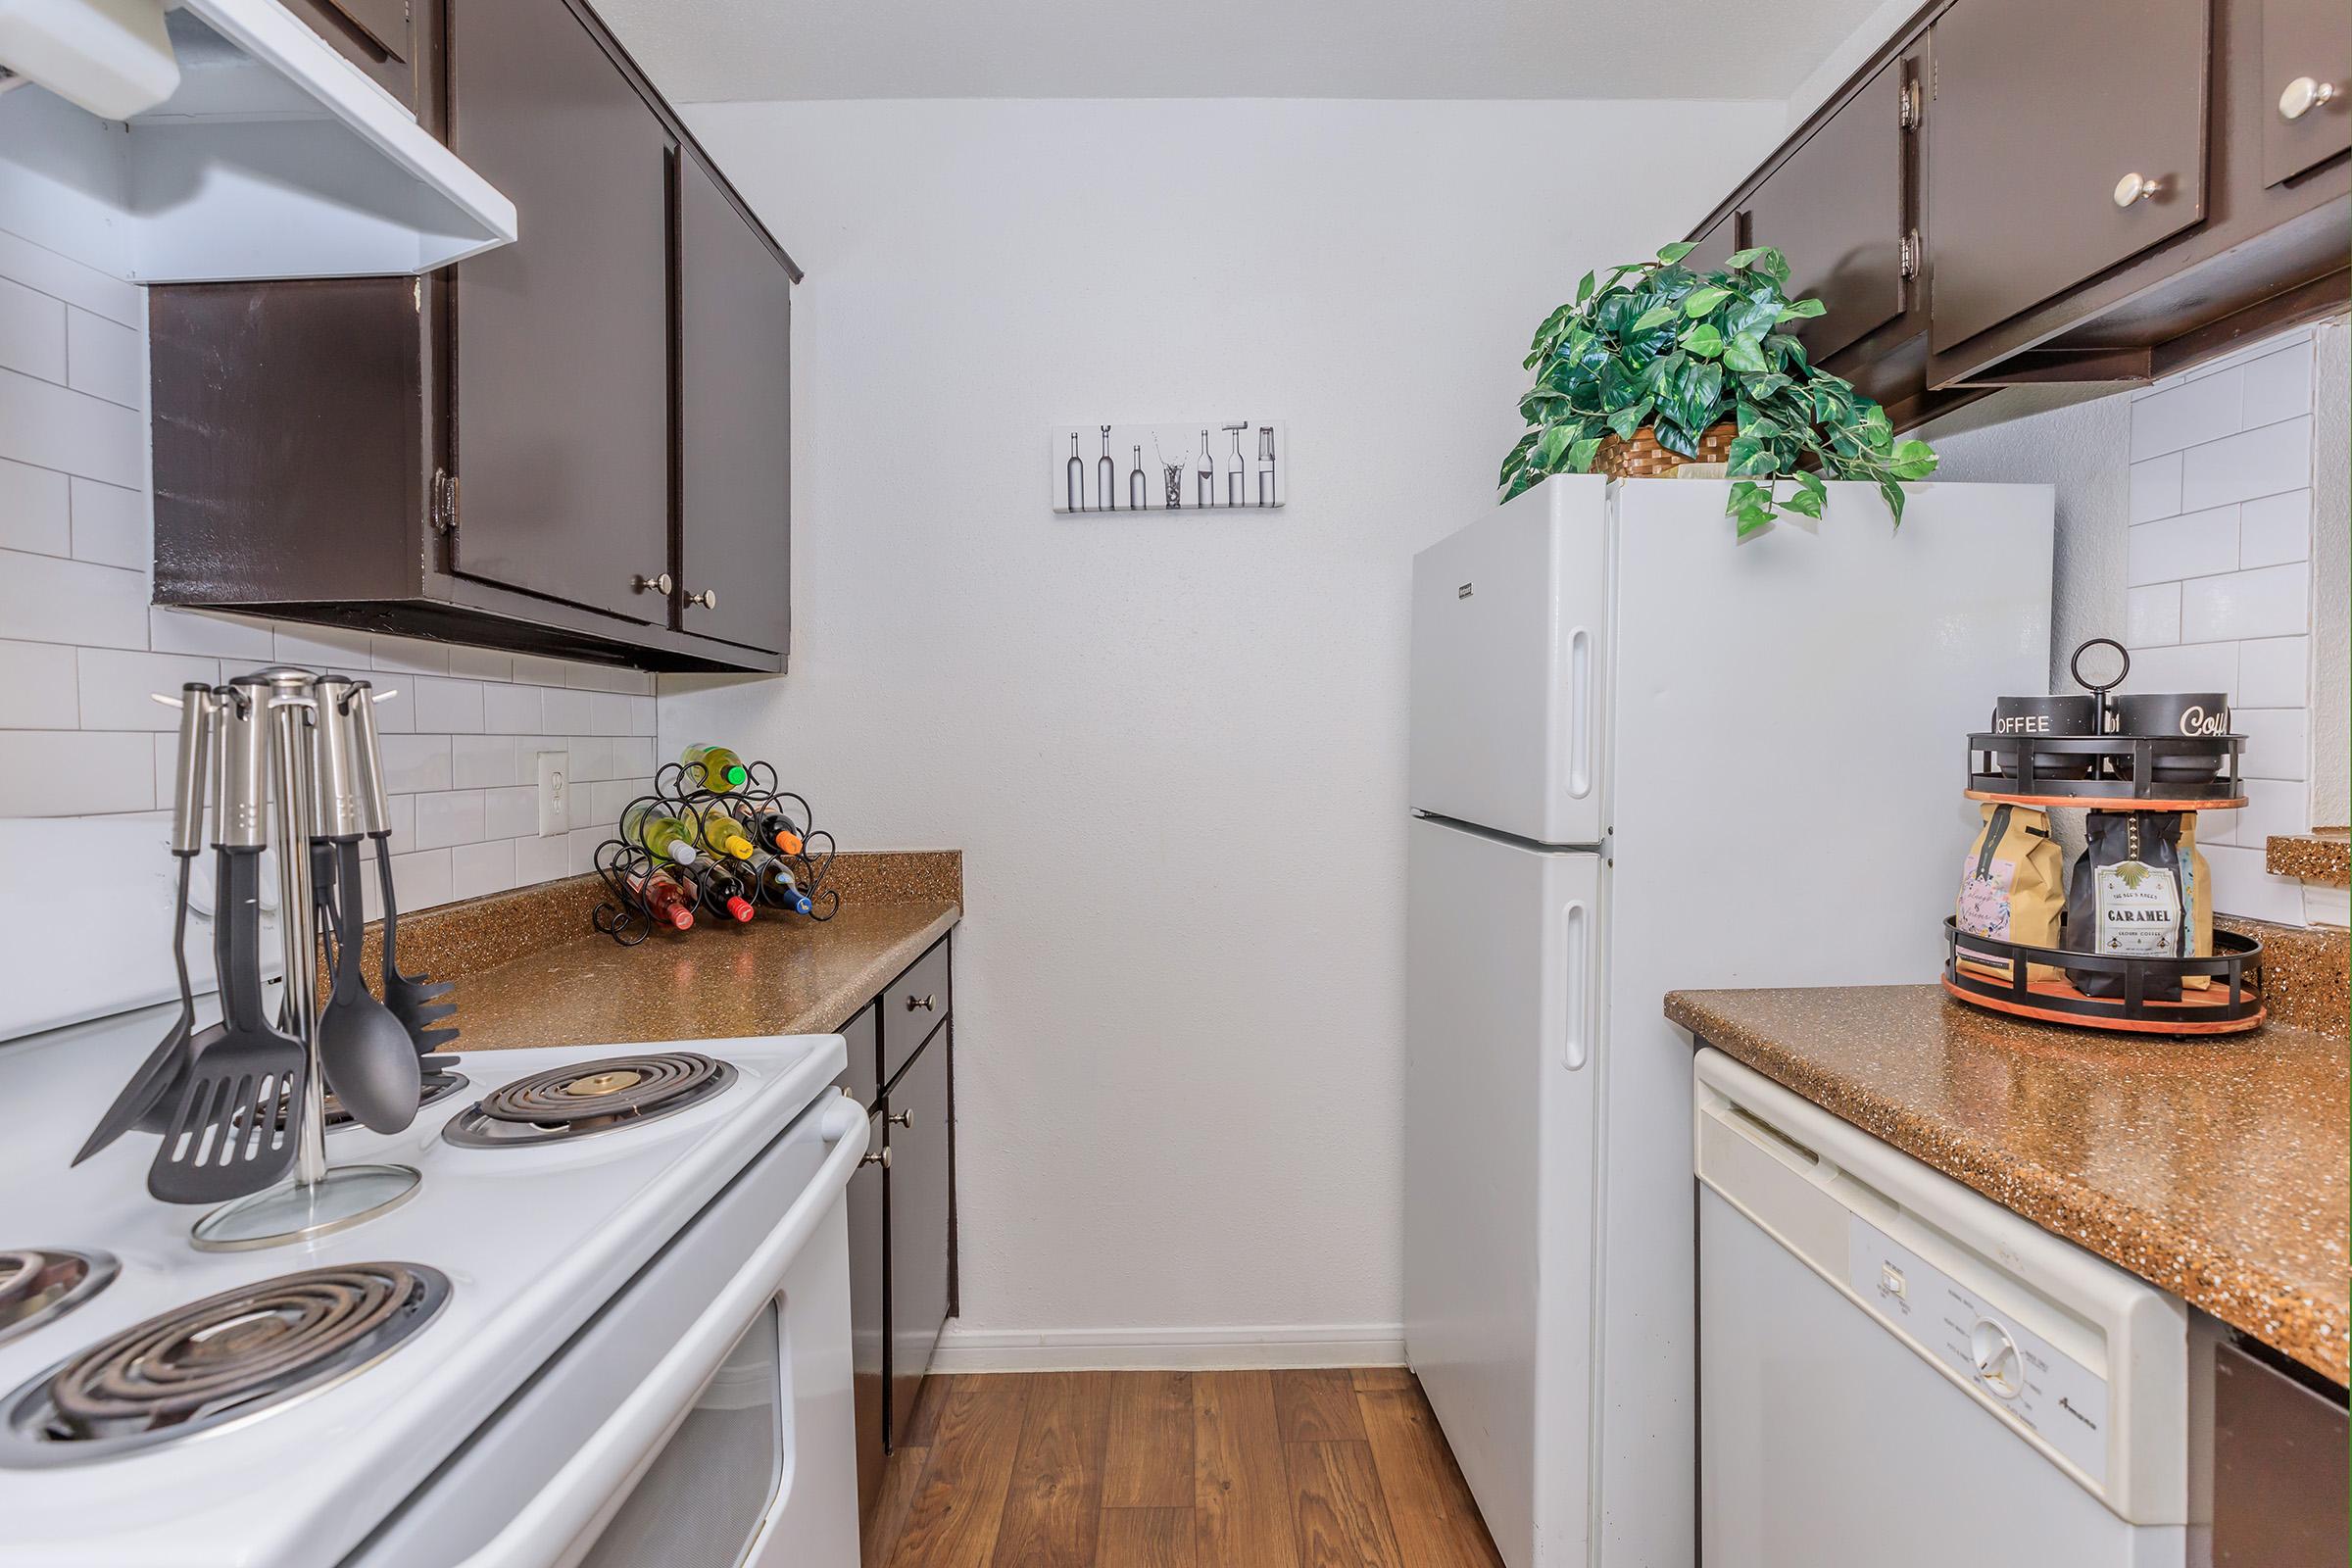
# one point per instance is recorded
(81, 648)
(1171, 748)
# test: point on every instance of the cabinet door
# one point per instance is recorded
(2038, 114)
(1836, 210)
(734, 422)
(2306, 83)
(870, 1390)
(921, 1189)
(561, 392)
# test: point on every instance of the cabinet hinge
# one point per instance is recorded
(1910, 254)
(443, 507)
(1906, 110)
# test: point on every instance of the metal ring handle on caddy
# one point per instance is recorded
(680, 790)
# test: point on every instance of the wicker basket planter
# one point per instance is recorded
(1642, 458)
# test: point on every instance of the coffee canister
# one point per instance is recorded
(2045, 716)
(2197, 714)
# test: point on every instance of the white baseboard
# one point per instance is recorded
(963, 1350)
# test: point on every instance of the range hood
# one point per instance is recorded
(271, 157)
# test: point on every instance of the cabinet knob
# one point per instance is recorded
(904, 1118)
(2136, 188)
(927, 1004)
(659, 582)
(2303, 95)
(880, 1156)
(707, 599)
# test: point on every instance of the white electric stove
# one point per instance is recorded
(623, 1342)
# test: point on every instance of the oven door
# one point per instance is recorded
(714, 1393)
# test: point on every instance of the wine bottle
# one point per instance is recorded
(777, 880)
(1137, 488)
(721, 887)
(1265, 465)
(660, 896)
(719, 768)
(773, 830)
(1073, 477)
(1234, 466)
(1207, 475)
(718, 832)
(1106, 476)
(657, 833)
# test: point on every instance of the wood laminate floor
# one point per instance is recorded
(1320, 1469)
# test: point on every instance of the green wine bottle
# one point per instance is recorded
(660, 834)
(720, 769)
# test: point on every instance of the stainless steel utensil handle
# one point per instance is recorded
(297, 924)
(240, 805)
(189, 779)
(367, 764)
(338, 805)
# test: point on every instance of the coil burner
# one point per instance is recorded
(42, 1284)
(588, 1098)
(229, 1358)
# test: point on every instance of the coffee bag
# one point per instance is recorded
(2011, 887)
(2125, 898)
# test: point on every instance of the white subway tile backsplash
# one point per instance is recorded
(2186, 668)
(2277, 385)
(422, 878)
(511, 813)
(299, 643)
(251, 642)
(37, 687)
(2241, 887)
(2261, 462)
(633, 757)
(2190, 412)
(609, 714)
(643, 715)
(117, 686)
(534, 670)
(448, 817)
(541, 859)
(111, 525)
(511, 710)
(2194, 544)
(2155, 488)
(2152, 615)
(2272, 602)
(74, 772)
(32, 332)
(416, 763)
(47, 599)
(583, 842)
(591, 759)
(106, 359)
(2274, 529)
(2274, 672)
(395, 701)
(2276, 744)
(34, 509)
(569, 712)
(475, 869)
(57, 427)
(2273, 805)
(479, 761)
(75, 282)
(480, 663)
(449, 704)
(408, 655)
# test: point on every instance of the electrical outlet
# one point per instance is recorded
(555, 793)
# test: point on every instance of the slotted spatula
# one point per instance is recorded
(414, 999)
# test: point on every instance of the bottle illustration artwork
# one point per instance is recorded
(1209, 474)
(1234, 467)
(657, 832)
(1138, 490)
(1175, 485)
(1074, 476)
(1265, 465)
(1106, 478)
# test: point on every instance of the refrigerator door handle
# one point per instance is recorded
(1577, 924)
(1580, 712)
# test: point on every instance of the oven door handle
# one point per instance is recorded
(603, 1466)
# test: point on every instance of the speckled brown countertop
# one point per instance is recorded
(2324, 854)
(774, 976)
(2215, 1169)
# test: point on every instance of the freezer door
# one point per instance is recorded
(1509, 667)
(1503, 960)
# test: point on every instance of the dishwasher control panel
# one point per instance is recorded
(2020, 1375)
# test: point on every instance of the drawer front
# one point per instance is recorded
(915, 1005)
(862, 1079)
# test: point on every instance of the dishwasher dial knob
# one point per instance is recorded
(1995, 1355)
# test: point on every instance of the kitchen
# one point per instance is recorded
(601, 476)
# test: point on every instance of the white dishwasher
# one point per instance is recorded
(1893, 1369)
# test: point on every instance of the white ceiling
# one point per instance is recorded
(702, 51)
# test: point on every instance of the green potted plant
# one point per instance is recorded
(1661, 365)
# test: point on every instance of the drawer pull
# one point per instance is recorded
(904, 1118)
(926, 1004)
(2136, 188)
(2303, 95)
(880, 1156)
(660, 582)
(707, 599)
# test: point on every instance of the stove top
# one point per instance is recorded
(439, 1084)
(582, 1099)
(228, 1357)
(531, 1241)
(44, 1283)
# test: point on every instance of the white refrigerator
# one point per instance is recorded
(1646, 758)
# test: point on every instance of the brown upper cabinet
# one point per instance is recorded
(577, 444)
(2307, 69)
(2064, 139)
(1834, 208)
(380, 37)
(2014, 193)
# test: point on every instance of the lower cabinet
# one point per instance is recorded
(902, 1204)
